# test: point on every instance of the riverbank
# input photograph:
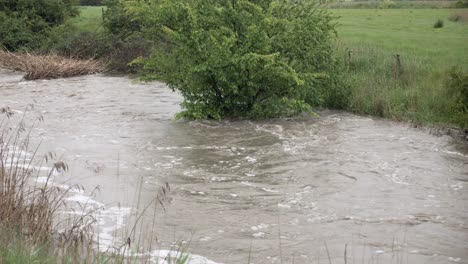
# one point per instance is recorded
(398, 66)
(394, 63)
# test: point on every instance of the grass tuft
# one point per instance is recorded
(439, 23)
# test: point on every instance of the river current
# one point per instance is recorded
(304, 190)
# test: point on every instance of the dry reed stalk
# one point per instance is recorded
(29, 211)
(48, 66)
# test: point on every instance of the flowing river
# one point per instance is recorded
(338, 188)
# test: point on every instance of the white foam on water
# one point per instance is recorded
(167, 257)
(259, 227)
(110, 220)
(457, 186)
(270, 190)
(398, 179)
(258, 235)
(29, 167)
(248, 184)
(218, 179)
(454, 153)
(84, 200)
(251, 159)
(44, 180)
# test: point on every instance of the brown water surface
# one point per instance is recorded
(275, 191)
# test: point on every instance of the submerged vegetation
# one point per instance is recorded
(240, 59)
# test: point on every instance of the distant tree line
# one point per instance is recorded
(91, 2)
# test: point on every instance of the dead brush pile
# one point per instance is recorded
(48, 66)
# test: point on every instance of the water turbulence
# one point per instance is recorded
(339, 188)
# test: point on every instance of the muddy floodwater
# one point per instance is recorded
(306, 190)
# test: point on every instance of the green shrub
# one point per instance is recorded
(439, 23)
(69, 41)
(15, 33)
(91, 2)
(125, 51)
(387, 4)
(240, 59)
(119, 20)
(25, 24)
(461, 4)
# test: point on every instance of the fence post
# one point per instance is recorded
(398, 66)
(348, 59)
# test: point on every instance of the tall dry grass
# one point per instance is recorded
(32, 227)
(48, 66)
(28, 210)
(459, 16)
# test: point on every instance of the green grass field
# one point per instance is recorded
(369, 39)
(90, 18)
(406, 31)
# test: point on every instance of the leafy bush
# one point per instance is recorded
(91, 2)
(120, 20)
(15, 33)
(125, 51)
(387, 4)
(24, 24)
(461, 4)
(67, 40)
(439, 23)
(240, 58)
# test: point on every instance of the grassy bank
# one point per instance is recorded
(387, 4)
(89, 19)
(417, 87)
(421, 87)
(408, 32)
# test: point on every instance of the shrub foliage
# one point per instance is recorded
(238, 58)
(25, 23)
